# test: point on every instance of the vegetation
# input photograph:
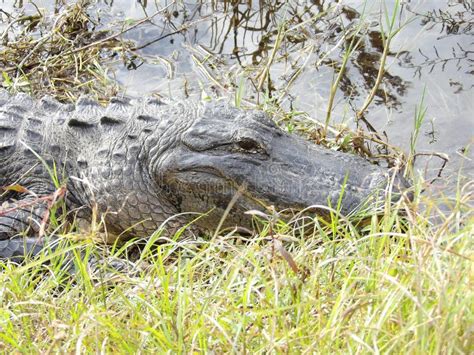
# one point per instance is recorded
(397, 281)
(395, 285)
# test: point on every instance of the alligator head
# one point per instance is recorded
(227, 154)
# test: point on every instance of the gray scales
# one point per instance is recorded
(141, 162)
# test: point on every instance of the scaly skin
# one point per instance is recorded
(142, 162)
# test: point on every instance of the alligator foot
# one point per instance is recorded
(101, 267)
(18, 248)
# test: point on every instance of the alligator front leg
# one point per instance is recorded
(20, 224)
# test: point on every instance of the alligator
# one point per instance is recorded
(142, 164)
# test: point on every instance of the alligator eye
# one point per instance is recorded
(248, 144)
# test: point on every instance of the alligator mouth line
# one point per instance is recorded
(235, 187)
(203, 170)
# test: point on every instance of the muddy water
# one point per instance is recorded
(430, 61)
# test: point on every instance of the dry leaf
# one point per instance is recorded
(16, 188)
(287, 256)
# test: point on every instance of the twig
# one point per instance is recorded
(178, 30)
(58, 194)
(19, 19)
(106, 39)
(442, 156)
(264, 74)
(48, 198)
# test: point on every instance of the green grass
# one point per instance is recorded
(399, 284)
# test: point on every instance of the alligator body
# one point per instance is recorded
(139, 163)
